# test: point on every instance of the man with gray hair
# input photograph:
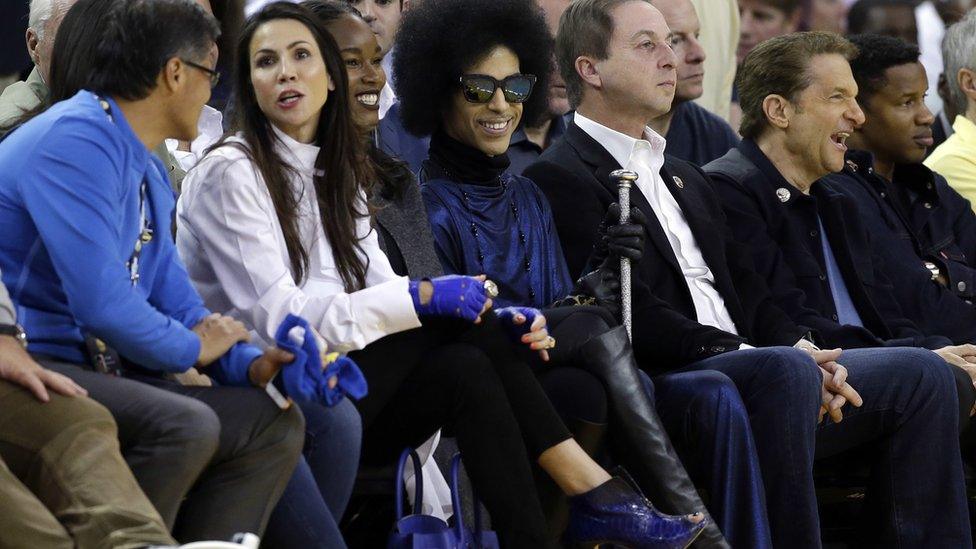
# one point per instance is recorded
(955, 159)
(25, 96)
(42, 26)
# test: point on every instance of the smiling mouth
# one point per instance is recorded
(369, 99)
(840, 140)
(495, 127)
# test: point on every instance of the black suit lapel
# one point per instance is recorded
(710, 242)
(602, 163)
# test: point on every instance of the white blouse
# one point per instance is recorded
(230, 239)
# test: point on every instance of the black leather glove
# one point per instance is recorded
(601, 287)
(615, 240)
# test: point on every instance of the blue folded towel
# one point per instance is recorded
(304, 379)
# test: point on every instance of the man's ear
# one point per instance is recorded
(967, 83)
(32, 45)
(778, 111)
(173, 76)
(587, 70)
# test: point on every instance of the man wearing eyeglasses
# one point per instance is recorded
(86, 215)
(25, 96)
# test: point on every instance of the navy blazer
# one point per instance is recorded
(779, 226)
(574, 174)
(918, 217)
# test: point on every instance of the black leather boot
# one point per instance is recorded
(654, 462)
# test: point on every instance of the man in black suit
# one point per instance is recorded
(699, 304)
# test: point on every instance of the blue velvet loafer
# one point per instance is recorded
(615, 513)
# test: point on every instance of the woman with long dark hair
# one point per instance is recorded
(275, 220)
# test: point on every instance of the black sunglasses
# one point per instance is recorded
(480, 88)
(214, 75)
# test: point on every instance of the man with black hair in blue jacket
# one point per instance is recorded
(85, 214)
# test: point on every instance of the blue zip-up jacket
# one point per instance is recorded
(69, 219)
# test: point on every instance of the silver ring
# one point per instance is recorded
(550, 342)
(491, 289)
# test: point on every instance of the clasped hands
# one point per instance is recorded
(465, 297)
(961, 356)
(835, 391)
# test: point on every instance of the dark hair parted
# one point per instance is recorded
(780, 66)
(857, 17)
(338, 172)
(439, 40)
(585, 28)
(875, 55)
(135, 40)
(330, 10)
(788, 7)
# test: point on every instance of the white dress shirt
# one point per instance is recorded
(387, 95)
(646, 158)
(230, 239)
(210, 128)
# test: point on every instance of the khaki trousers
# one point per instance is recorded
(63, 482)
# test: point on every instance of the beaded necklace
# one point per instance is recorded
(474, 230)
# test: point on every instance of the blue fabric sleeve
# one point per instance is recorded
(174, 295)
(76, 203)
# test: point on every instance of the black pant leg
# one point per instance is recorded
(457, 388)
(541, 426)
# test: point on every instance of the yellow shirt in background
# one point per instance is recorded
(956, 159)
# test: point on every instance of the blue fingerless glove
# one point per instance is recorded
(455, 296)
(304, 380)
(507, 317)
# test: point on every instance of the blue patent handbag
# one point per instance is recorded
(419, 531)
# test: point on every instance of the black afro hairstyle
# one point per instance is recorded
(439, 39)
(876, 54)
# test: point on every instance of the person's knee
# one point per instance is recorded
(794, 369)
(593, 320)
(339, 425)
(95, 416)
(194, 427)
(715, 391)
(467, 371)
(930, 372)
(576, 395)
(287, 432)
